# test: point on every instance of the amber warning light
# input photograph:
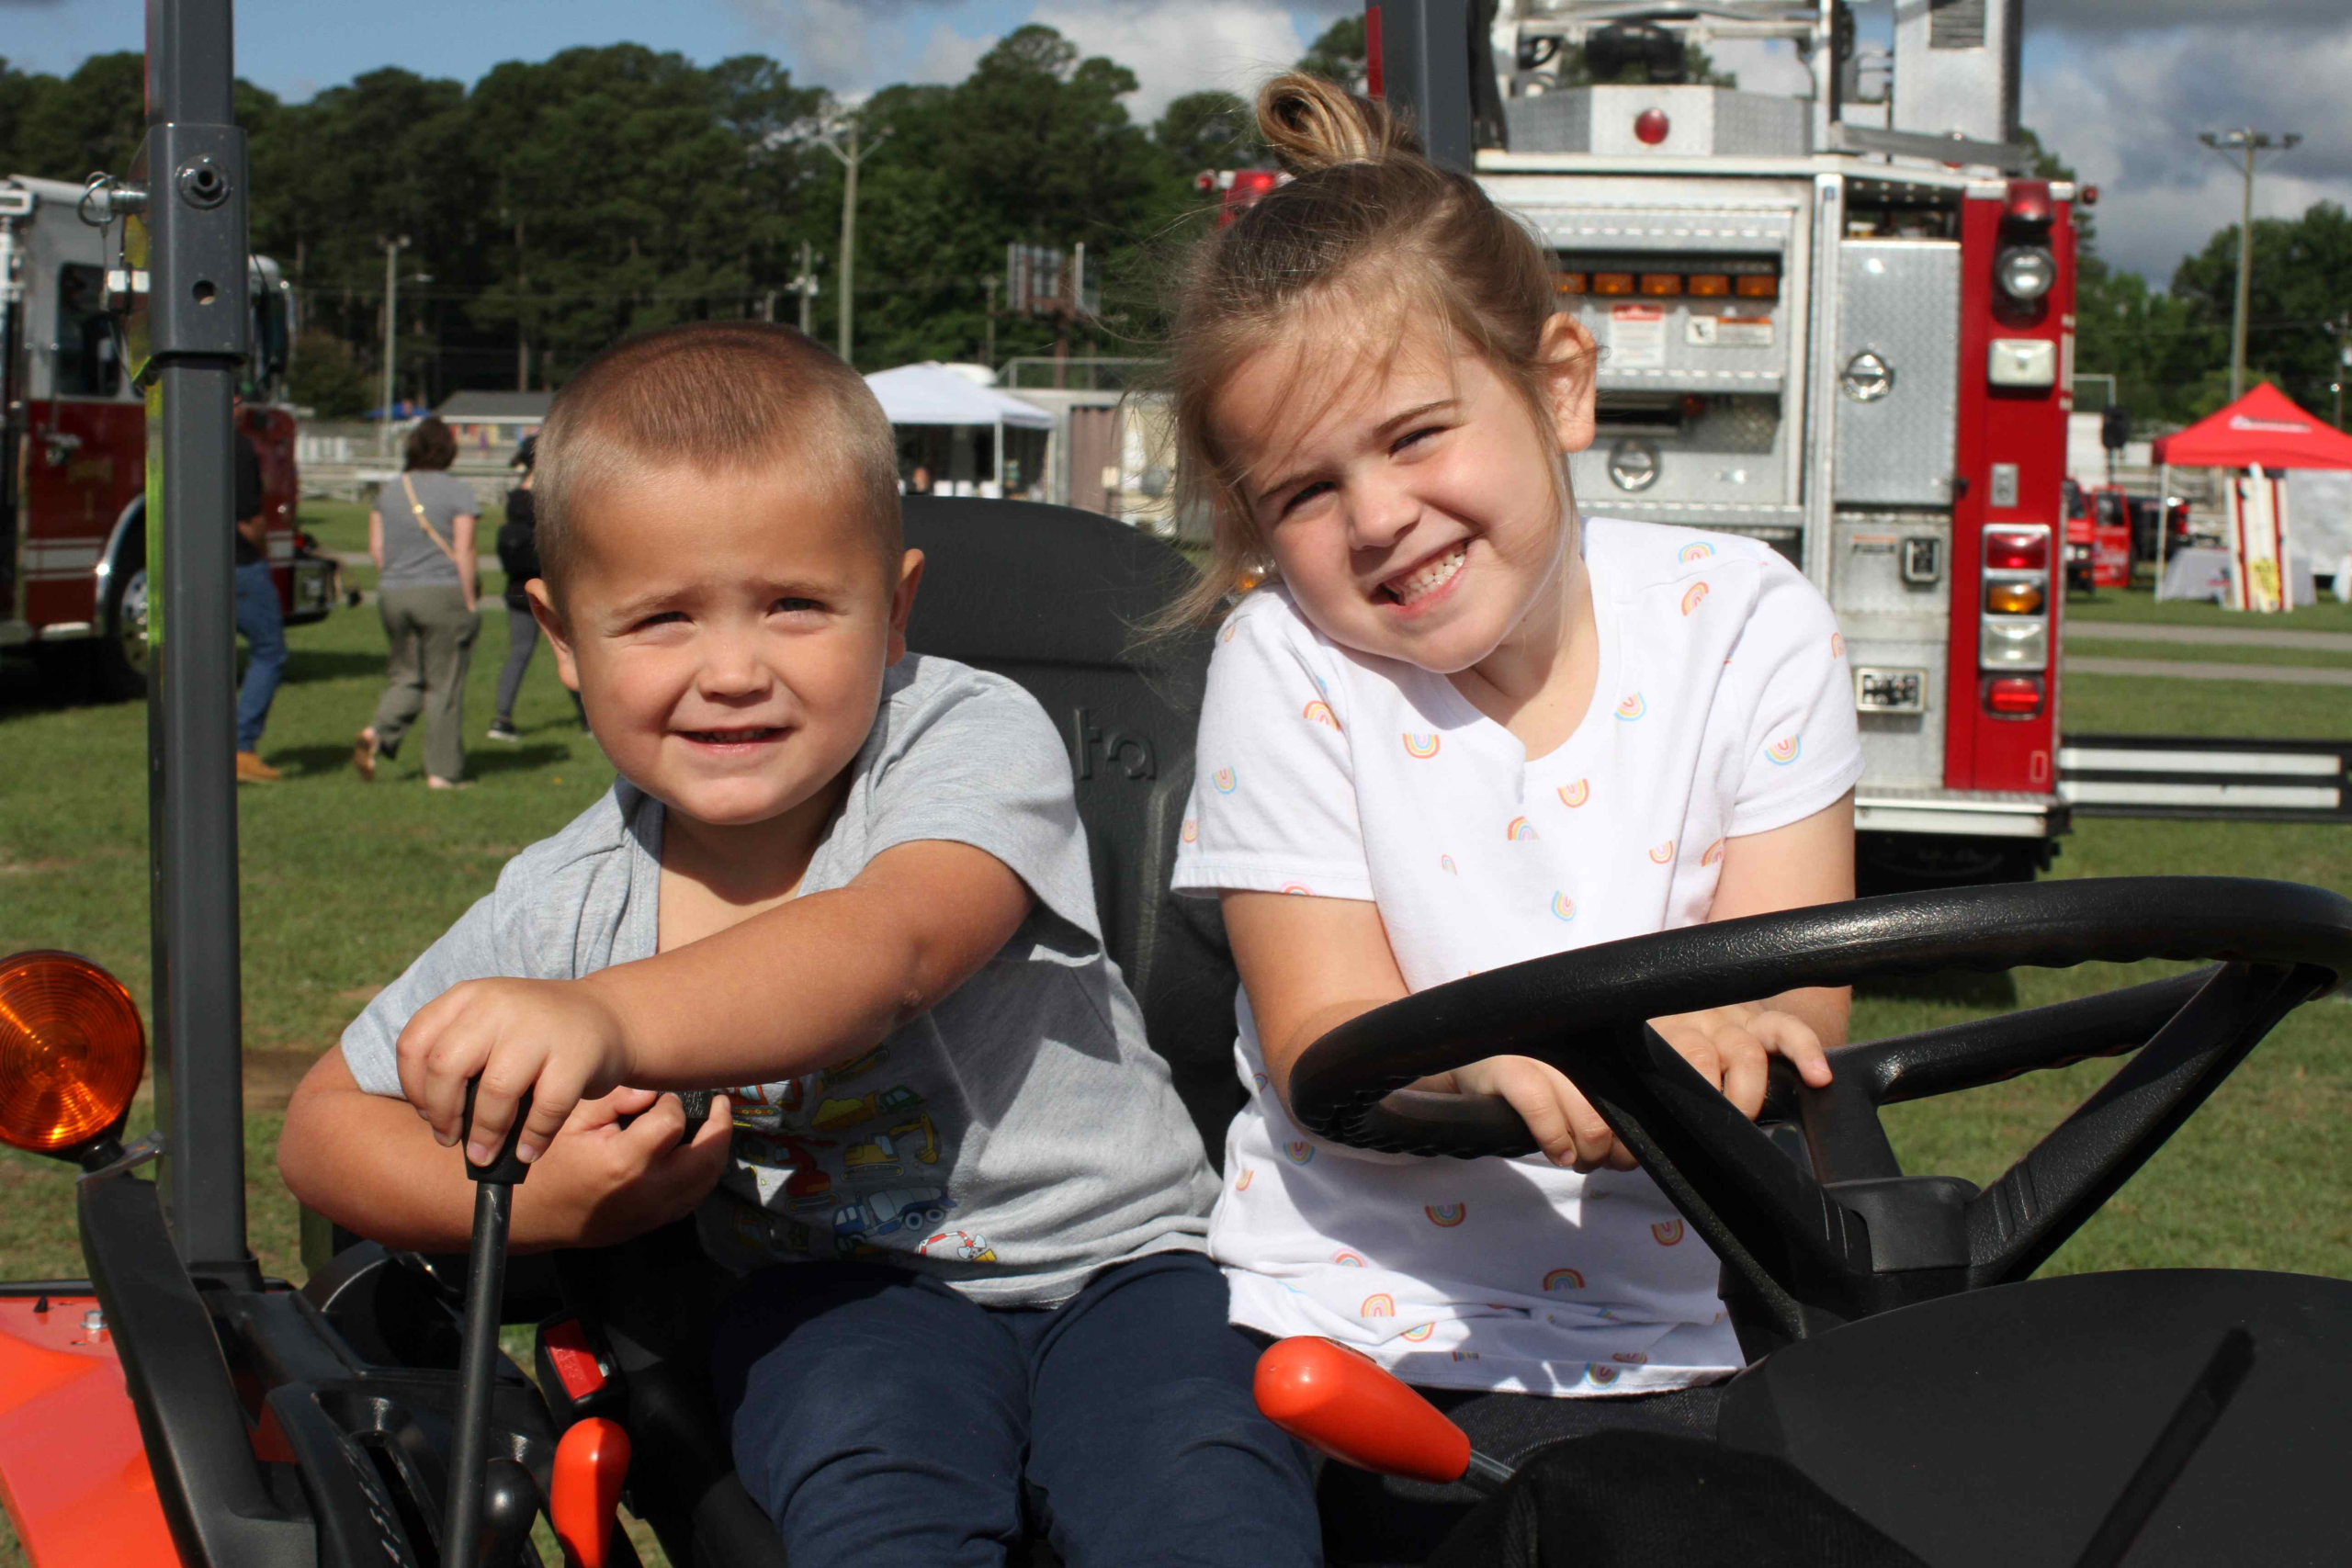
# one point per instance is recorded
(72, 1050)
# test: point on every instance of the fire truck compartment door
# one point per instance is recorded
(1899, 302)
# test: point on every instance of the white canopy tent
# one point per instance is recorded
(931, 394)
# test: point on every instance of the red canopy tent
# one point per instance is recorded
(2266, 427)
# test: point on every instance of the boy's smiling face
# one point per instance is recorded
(727, 633)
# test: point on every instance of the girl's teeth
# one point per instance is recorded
(1429, 578)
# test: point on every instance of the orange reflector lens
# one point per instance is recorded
(2013, 598)
(1709, 284)
(1661, 283)
(1568, 283)
(1612, 283)
(1758, 286)
(71, 1049)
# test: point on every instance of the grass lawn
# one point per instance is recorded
(344, 883)
(2140, 604)
(2208, 653)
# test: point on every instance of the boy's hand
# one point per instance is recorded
(612, 1182)
(554, 1038)
(1732, 1048)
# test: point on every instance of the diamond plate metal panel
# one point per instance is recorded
(1899, 300)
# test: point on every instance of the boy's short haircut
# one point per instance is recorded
(711, 395)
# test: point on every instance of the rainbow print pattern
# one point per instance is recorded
(1631, 707)
(1667, 1233)
(1837, 645)
(1663, 853)
(1697, 549)
(1631, 1358)
(1521, 831)
(1191, 831)
(1380, 1304)
(1447, 1216)
(1601, 1374)
(1466, 1355)
(1320, 713)
(1418, 1333)
(1446, 863)
(1241, 1182)
(1714, 852)
(1299, 1151)
(1560, 1280)
(1563, 907)
(1297, 889)
(1223, 780)
(1347, 1259)
(1693, 596)
(1785, 750)
(1258, 1078)
(1421, 746)
(1575, 794)
(1229, 631)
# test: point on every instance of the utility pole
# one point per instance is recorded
(830, 136)
(393, 249)
(805, 287)
(2230, 143)
(988, 354)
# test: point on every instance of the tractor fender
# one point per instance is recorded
(72, 1466)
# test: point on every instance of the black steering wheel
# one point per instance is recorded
(1803, 1250)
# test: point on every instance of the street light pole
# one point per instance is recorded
(2250, 141)
(393, 249)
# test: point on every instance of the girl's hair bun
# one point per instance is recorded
(1313, 124)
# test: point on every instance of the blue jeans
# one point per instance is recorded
(883, 1420)
(263, 626)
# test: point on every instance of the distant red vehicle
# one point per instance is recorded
(2100, 545)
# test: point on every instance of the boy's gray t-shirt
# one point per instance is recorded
(1012, 1139)
(411, 559)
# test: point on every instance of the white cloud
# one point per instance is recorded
(1176, 47)
(2125, 111)
(948, 56)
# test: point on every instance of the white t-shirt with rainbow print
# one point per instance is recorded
(1723, 707)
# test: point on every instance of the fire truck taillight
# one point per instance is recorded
(2014, 598)
(1709, 284)
(1661, 283)
(1568, 283)
(2014, 644)
(1612, 283)
(1758, 285)
(2013, 696)
(2016, 549)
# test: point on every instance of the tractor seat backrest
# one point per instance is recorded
(1056, 599)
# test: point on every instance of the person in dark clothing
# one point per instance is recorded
(259, 616)
(518, 557)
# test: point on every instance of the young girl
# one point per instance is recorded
(1463, 727)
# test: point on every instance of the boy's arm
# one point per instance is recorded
(367, 1162)
(793, 990)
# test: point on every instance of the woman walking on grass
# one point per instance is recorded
(421, 536)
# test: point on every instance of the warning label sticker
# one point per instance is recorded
(1729, 331)
(1636, 338)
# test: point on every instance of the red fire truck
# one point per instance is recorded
(1840, 325)
(73, 492)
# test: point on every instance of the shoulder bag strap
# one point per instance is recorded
(426, 522)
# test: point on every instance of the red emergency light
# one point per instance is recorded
(2007, 549)
(2029, 202)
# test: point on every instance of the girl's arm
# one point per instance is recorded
(376, 538)
(1310, 965)
(461, 545)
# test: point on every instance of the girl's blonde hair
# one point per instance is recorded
(1367, 222)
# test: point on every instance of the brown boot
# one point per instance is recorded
(251, 769)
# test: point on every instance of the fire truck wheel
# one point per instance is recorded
(118, 655)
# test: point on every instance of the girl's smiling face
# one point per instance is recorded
(1415, 508)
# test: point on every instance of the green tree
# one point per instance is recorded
(1337, 54)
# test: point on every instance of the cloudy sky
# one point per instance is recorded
(2120, 87)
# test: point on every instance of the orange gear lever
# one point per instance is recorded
(1338, 1403)
(590, 1462)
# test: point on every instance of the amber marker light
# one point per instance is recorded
(72, 1050)
(1709, 284)
(1612, 283)
(2013, 598)
(1661, 283)
(1758, 286)
(1568, 283)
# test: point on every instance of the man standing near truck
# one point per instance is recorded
(259, 619)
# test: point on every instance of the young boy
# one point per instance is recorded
(853, 883)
